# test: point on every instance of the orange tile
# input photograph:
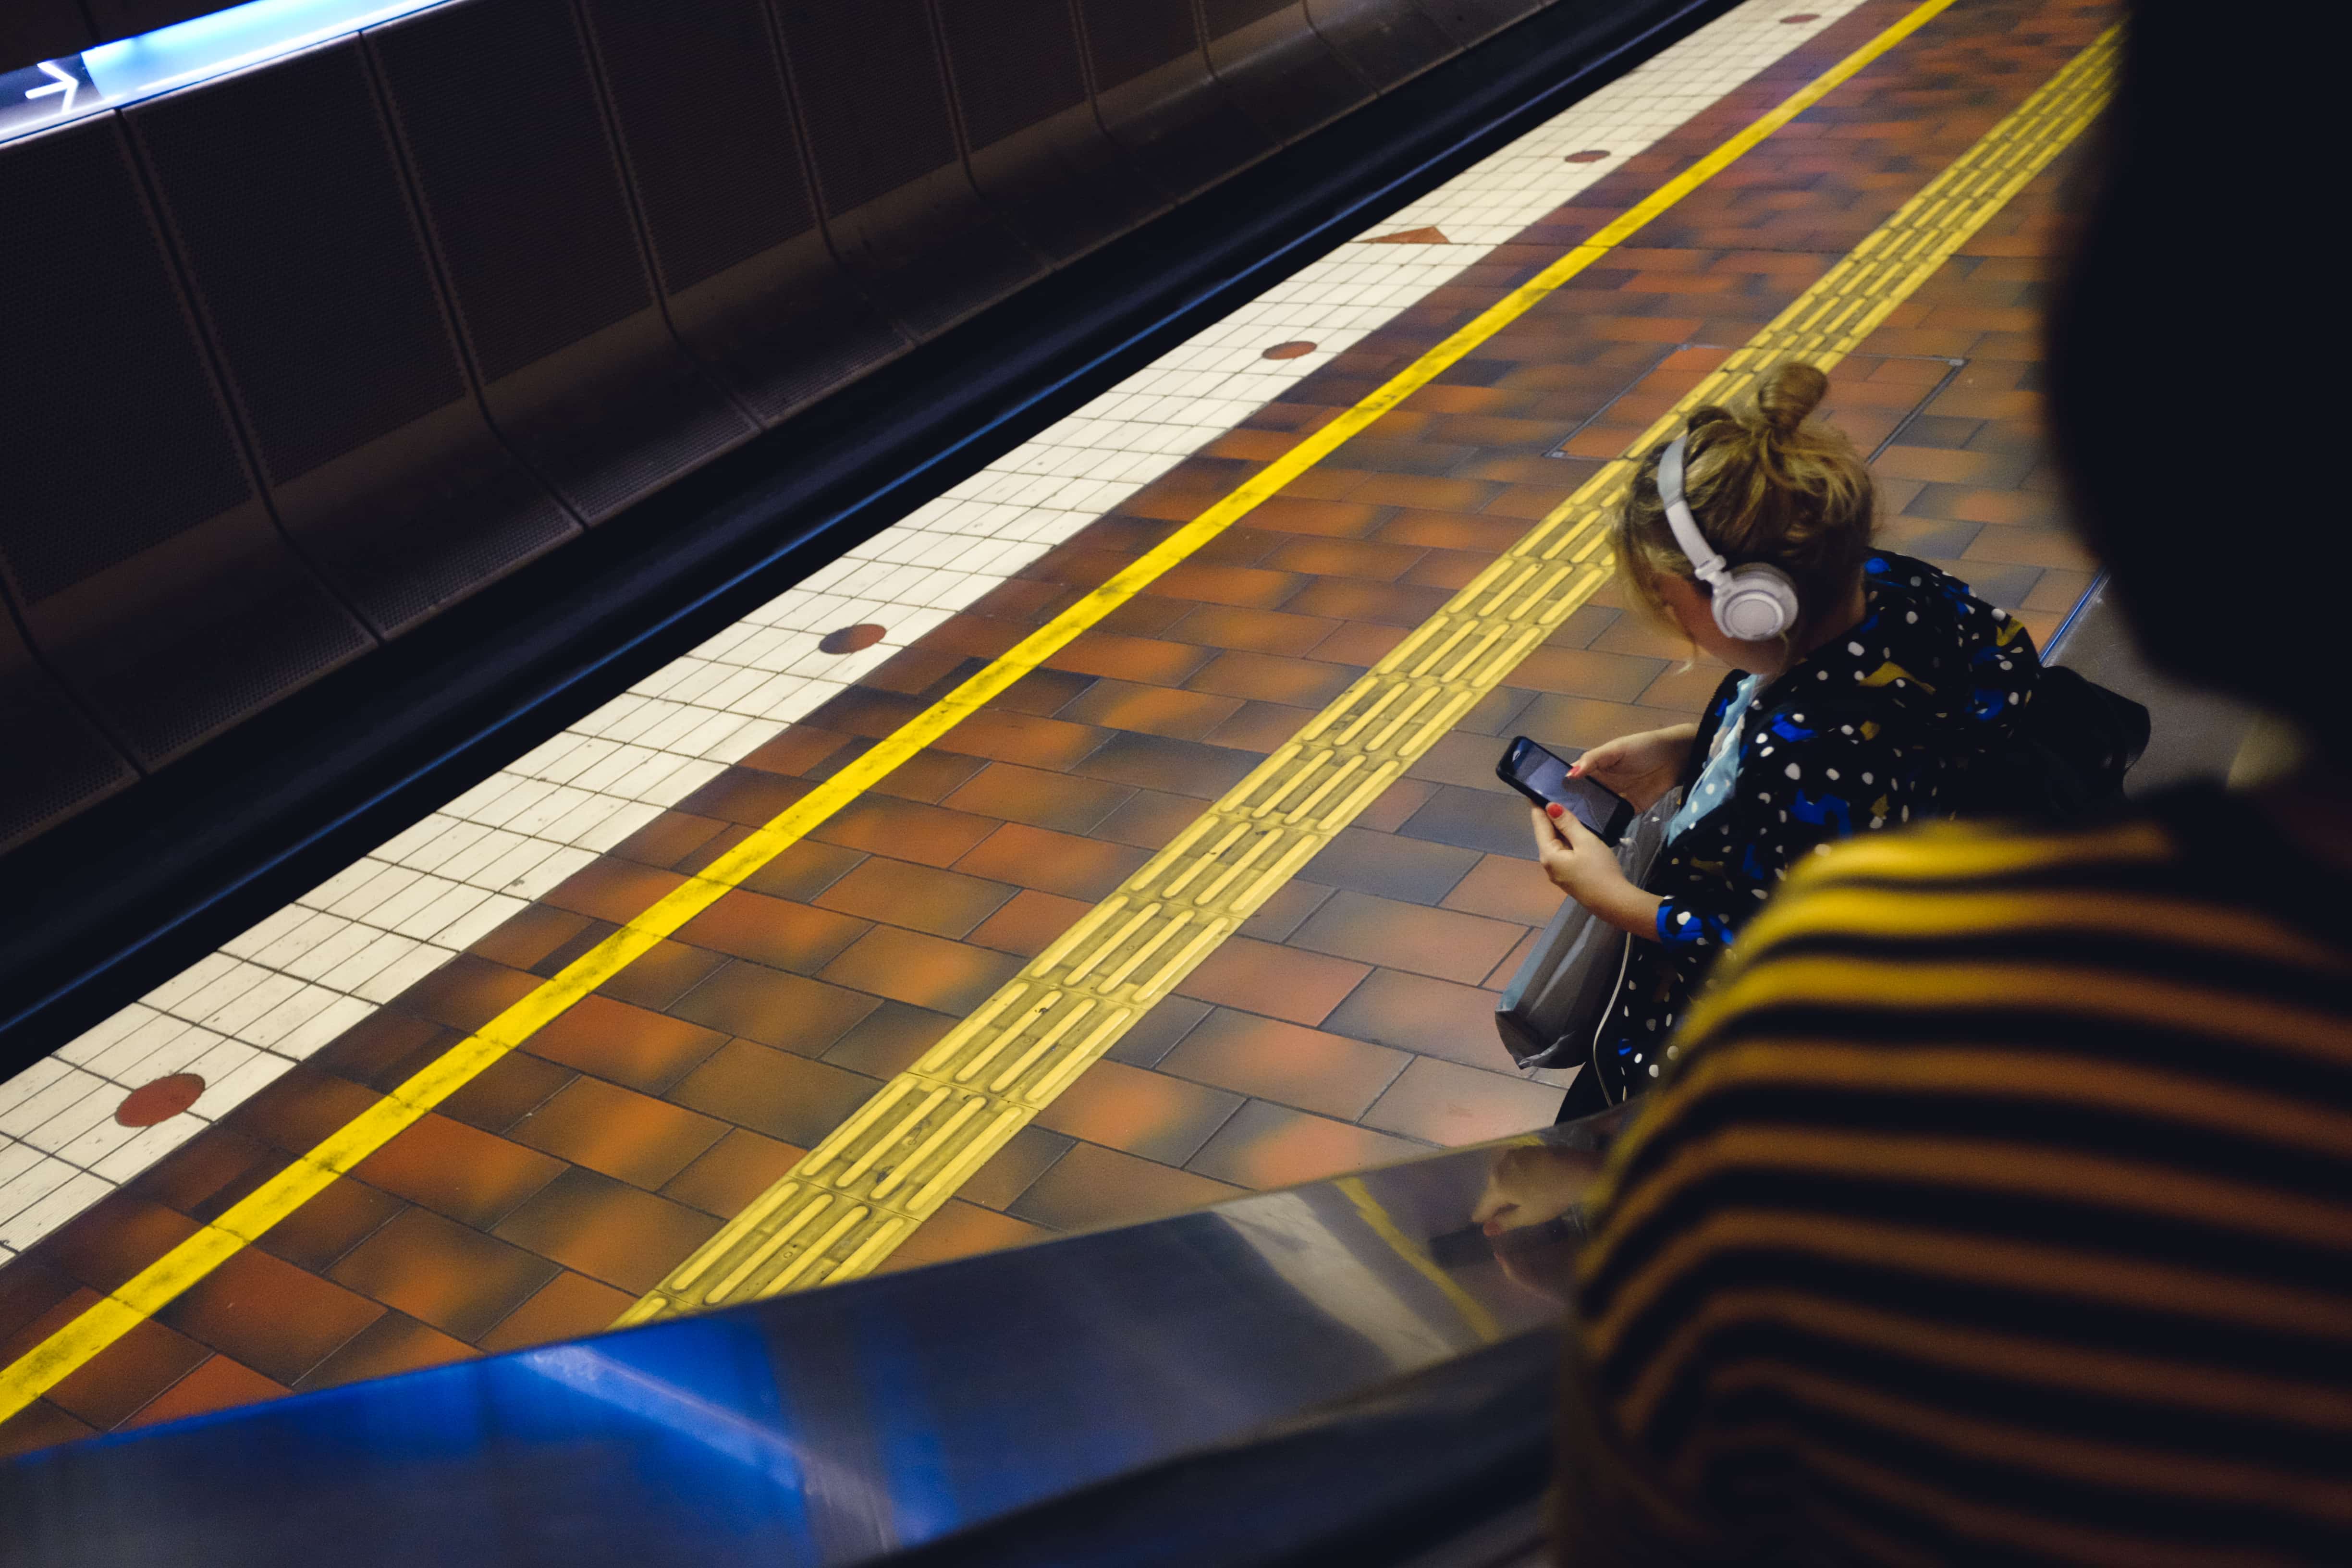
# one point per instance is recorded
(390, 1345)
(467, 992)
(1140, 1111)
(1090, 1187)
(148, 1359)
(1582, 672)
(628, 1044)
(786, 1097)
(661, 975)
(271, 1315)
(1249, 587)
(457, 1279)
(922, 970)
(608, 1230)
(920, 898)
(910, 830)
(1445, 943)
(887, 1040)
(796, 751)
(218, 1383)
(1051, 862)
(1431, 1018)
(1150, 819)
(458, 1171)
(1012, 793)
(1256, 631)
(568, 1307)
(1505, 887)
(1151, 710)
(772, 932)
(334, 1221)
(525, 939)
(1029, 924)
(1163, 763)
(733, 1171)
(1448, 1103)
(804, 870)
(1292, 682)
(1500, 976)
(1306, 1068)
(1027, 739)
(509, 1088)
(1010, 1172)
(611, 890)
(961, 1230)
(643, 1141)
(789, 1011)
(1271, 1146)
(1258, 978)
(1284, 912)
(1148, 660)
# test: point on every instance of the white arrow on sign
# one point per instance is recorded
(62, 82)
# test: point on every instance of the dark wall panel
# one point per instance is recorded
(706, 127)
(1278, 67)
(127, 18)
(36, 30)
(1471, 20)
(134, 541)
(1157, 97)
(1039, 154)
(504, 128)
(282, 189)
(901, 206)
(1387, 42)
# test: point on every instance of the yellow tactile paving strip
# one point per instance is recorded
(156, 1286)
(862, 1191)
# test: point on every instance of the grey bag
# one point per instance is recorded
(1553, 1005)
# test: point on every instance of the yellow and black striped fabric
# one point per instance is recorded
(1997, 1206)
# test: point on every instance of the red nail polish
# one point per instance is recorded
(1555, 811)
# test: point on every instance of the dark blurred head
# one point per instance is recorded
(2199, 469)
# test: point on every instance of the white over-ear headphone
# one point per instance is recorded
(1752, 602)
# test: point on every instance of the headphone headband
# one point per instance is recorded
(1754, 603)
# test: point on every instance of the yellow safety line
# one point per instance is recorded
(878, 1176)
(151, 1289)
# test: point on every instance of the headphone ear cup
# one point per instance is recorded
(1756, 603)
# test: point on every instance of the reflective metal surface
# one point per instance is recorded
(826, 1427)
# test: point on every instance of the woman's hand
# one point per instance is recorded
(1642, 767)
(1531, 1183)
(1586, 869)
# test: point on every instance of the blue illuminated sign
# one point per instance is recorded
(132, 68)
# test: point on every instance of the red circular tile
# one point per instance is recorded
(1289, 351)
(849, 640)
(1801, 16)
(1590, 155)
(160, 1101)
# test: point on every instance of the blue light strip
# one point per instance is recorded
(122, 72)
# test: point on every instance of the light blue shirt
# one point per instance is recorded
(1713, 785)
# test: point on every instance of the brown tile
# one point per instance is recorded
(1028, 925)
(1411, 869)
(921, 898)
(1368, 559)
(509, 1089)
(336, 1219)
(1500, 976)
(889, 1040)
(1150, 819)
(113, 1239)
(1395, 806)
(1254, 631)
(459, 1171)
(1259, 977)
(1506, 888)
(1014, 793)
(1051, 862)
(910, 830)
(1139, 1111)
(797, 750)
(1448, 1103)
(218, 1382)
(1359, 644)
(456, 1279)
(642, 1140)
(568, 1307)
(1284, 912)
(1685, 691)
(660, 976)
(1271, 1146)
(1090, 1187)
(790, 1011)
(673, 839)
(772, 932)
(39, 1426)
(202, 1176)
(628, 1044)
(148, 1359)
(1432, 1017)
(271, 1315)
(608, 1230)
(1582, 672)
(922, 970)
(733, 1171)
(927, 776)
(804, 870)
(611, 890)
(1260, 726)
(28, 1289)
(1158, 762)
(390, 1345)
(524, 939)
(1293, 682)
(467, 992)
(1151, 1037)
(1443, 943)
(744, 795)
(1454, 529)
(1010, 1172)
(384, 1048)
(788, 1098)
(1250, 587)
(1146, 660)
(1330, 519)
(1030, 740)
(1151, 710)
(1308, 1069)
(961, 1230)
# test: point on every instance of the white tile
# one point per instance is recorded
(69, 1197)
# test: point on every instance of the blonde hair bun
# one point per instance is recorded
(1788, 396)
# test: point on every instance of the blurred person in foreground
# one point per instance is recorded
(1998, 1205)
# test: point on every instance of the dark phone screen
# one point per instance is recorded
(1545, 777)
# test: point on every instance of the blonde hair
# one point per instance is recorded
(1767, 483)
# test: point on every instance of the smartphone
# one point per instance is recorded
(1543, 778)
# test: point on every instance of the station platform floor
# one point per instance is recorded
(997, 882)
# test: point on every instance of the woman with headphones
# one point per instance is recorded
(1863, 684)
